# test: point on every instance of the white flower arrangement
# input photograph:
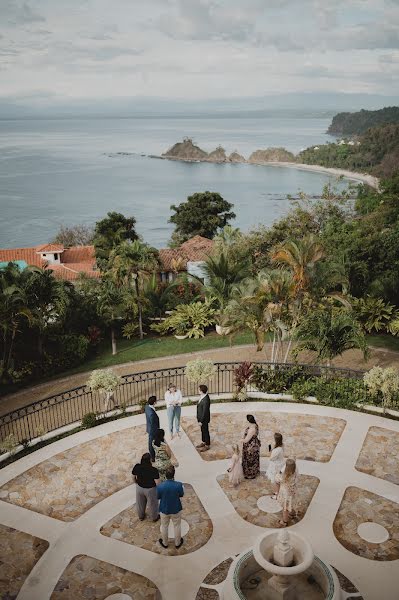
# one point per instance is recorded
(384, 382)
(200, 370)
(104, 380)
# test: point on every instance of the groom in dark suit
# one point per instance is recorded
(152, 421)
(204, 417)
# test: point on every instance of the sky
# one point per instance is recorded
(196, 49)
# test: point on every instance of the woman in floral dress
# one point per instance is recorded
(251, 449)
(162, 454)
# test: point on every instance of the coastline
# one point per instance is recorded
(352, 175)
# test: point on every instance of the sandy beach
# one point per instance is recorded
(362, 177)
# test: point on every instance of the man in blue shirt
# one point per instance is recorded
(169, 493)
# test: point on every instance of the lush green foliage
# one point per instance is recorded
(111, 231)
(377, 152)
(202, 214)
(188, 319)
(383, 385)
(89, 420)
(356, 123)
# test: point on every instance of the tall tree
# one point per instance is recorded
(202, 214)
(301, 257)
(329, 333)
(129, 262)
(111, 306)
(109, 233)
(48, 300)
(13, 311)
(75, 235)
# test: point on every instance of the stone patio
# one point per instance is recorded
(68, 484)
(128, 528)
(88, 544)
(91, 579)
(19, 552)
(304, 436)
(360, 506)
(380, 454)
(244, 498)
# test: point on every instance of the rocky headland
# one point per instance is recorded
(187, 151)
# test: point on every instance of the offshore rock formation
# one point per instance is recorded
(236, 158)
(218, 155)
(186, 150)
(260, 157)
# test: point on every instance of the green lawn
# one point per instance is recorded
(133, 350)
(383, 340)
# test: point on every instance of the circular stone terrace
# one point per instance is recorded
(69, 530)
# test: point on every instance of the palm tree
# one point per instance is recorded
(223, 273)
(330, 332)
(129, 262)
(111, 306)
(48, 299)
(13, 311)
(301, 257)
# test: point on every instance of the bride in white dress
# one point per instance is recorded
(276, 462)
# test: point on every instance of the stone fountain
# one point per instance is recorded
(281, 566)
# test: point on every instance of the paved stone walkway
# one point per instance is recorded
(351, 359)
(82, 562)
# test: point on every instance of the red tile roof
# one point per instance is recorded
(81, 259)
(29, 255)
(50, 248)
(197, 248)
(75, 260)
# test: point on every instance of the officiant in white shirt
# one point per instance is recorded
(173, 400)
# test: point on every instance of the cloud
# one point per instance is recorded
(16, 12)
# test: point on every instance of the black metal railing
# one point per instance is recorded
(69, 407)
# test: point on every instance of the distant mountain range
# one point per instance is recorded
(295, 104)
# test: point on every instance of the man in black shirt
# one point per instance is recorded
(146, 478)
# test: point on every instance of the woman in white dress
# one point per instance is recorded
(288, 482)
(173, 400)
(276, 462)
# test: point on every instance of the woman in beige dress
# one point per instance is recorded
(288, 480)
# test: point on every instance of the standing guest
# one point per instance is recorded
(288, 481)
(162, 454)
(276, 462)
(173, 400)
(146, 478)
(204, 417)
(235, 471)
(169, 493)
(152, 422)
(251, 449)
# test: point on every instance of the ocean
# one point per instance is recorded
(68, 171)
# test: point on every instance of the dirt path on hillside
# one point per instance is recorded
(351, 359)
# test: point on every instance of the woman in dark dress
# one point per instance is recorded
(251, 449)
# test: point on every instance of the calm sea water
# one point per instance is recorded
(55, 172)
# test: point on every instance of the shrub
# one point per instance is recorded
(104, 380)
(278, 379)
(200, 370)
(89, 420)
(383, 385)
(9, 444)
(74, 347)
(242, 376)
(188, 319)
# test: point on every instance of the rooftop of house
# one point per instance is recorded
(75, 260)
(81, 259)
